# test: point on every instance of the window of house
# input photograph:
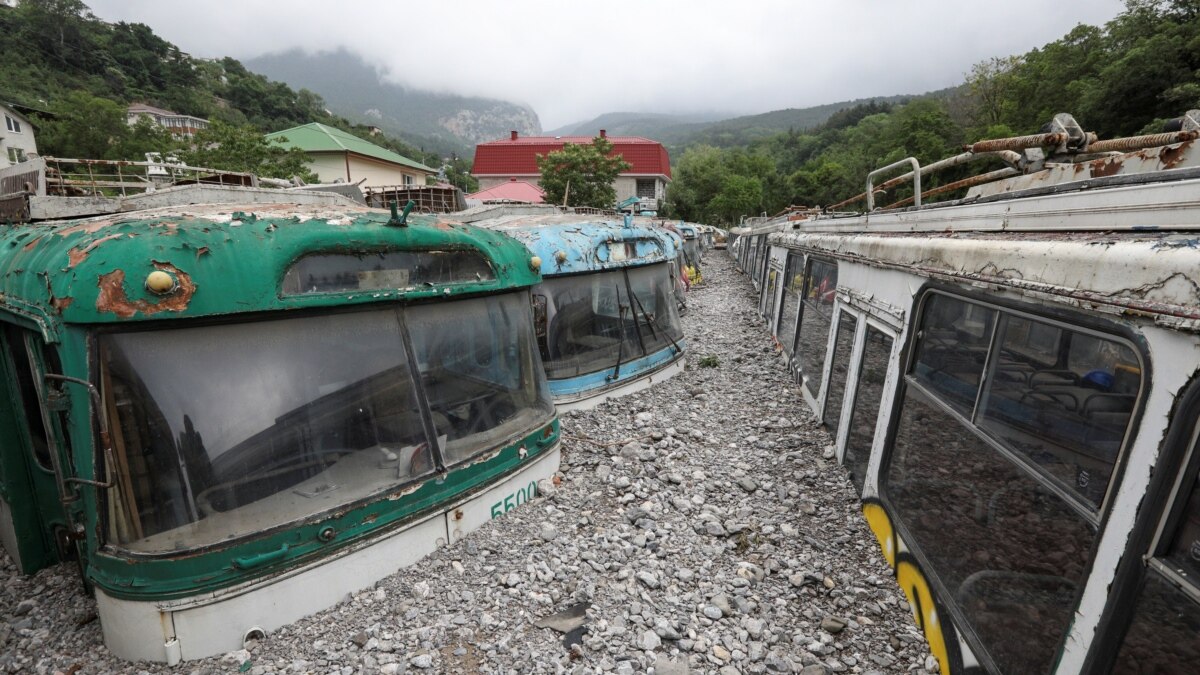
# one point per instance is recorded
(12, 124)
(16, 155)
(408, 180)
(645, 188)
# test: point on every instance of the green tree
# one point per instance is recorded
(698, 176)
(989, 83)
(84, 127)
(244, 148)
(582, 174)
(739, 196)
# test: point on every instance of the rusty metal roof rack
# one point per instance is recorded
(1023, 155)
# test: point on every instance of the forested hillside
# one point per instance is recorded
(82, 72)
(1126, 77)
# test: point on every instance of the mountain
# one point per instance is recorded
(650, 125)
(433, 121)
(680, 131)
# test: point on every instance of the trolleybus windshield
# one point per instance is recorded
(226, 430)
(593, 319)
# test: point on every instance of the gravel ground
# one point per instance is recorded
(698, 529)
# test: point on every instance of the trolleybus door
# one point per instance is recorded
(33, 466)
(1163, 633)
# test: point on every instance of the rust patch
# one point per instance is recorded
(443, 225)
(78, 255)
(30, 246)
(85, 228)
(1106, 167)
(203, 250)
(112, 297)
(59, 304)
(1170, 156)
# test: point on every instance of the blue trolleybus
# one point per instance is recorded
(605, 314)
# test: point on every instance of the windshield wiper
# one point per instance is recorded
(620, 341)
(652, 321)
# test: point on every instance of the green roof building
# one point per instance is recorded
(337, 155)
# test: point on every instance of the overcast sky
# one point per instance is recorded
(573, 60)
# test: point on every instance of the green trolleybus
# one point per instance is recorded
(232, 419)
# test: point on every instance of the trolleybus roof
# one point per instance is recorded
(223, 259)
(571, 243)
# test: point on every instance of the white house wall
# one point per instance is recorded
(381, 174)
(625, 186)
(8, 139)
(331, 167)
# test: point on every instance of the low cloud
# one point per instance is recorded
(571, 61)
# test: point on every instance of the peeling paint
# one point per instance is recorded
(112, 297)
(78, 254)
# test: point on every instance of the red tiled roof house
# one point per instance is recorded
(515, 157)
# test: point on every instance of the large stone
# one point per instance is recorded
(567, 620)
(648, 640)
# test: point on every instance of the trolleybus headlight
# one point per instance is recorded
(160, 282)
(535, 263)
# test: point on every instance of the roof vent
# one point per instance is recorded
(512, 135)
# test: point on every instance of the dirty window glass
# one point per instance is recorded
(820, 289)
(1164, 636)
(654, 308)
(480, 371)
(876, 355)
(593, 323)
(223, 431)
(952, 348)
(793, 281)
(382, 270)
(844, 344)
(1183, 553)
(1011, 553)
(1067, 415)
(768, 297)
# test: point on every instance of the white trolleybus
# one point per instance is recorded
(1013, 382)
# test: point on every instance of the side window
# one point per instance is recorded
(769, 294)
(867, 399)
(23, 373)
(952, 348)
(842, 348)
(1164, 634)
(1007, 543)
(793, 281)
(1067, 416)
(820, 288)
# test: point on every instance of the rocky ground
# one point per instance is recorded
(698, 529)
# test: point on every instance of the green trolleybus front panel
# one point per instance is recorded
(277, 385)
